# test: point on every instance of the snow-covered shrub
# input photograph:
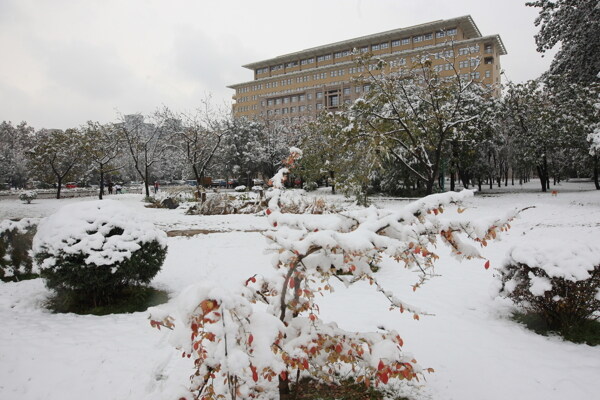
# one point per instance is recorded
(15, 246)
(96, 249)
(223, 203)
(310, 186)
(240, 188)
(558, 281)
(312, 251)
(28, 196)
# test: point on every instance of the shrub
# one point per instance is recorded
(558, 282)
(310, 186)
(93, 251)
(28, 196)
(241, 351)
(240, 188)
(15, 246)
(222, 204)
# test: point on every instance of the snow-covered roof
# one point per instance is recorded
(465, 22)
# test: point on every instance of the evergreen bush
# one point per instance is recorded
(558, 282)
(28, 196)
(91, 252)
(15, 246)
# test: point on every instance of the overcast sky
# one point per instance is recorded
(64, 62)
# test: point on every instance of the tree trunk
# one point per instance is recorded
(452, 183)
(146, 181)
(332, 176)
(59, 184)
(542, 176)
(101, 183)
(479, 183)
(596, 173)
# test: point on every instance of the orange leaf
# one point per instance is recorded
(254, 373)
(380, 365)
(250, 339)
(487, 264)
(338, 348)
(291, 283)
(384, 377)
(283, 375)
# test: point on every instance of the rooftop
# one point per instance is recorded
(465, 22)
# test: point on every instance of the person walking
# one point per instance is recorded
(155, 187)
(110, 187)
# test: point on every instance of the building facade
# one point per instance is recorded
(301, 84)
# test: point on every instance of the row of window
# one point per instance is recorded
(473, 62)
(364, 49)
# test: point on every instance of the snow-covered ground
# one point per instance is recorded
(476, 350)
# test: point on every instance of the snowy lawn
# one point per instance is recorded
(474, 347)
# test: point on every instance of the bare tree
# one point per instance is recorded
(147, 142)
(56, 154)
(102, 146)
(198, 138)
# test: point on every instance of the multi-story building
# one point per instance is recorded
(303, 83)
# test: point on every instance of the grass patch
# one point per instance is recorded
(131, 299)
(587, 332)
(20, 277)
(309, 389)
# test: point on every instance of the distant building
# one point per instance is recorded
(303, 83)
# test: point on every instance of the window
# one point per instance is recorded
(463, 64)
(319, 106)
(366, 88)
(294, 99)
(405, 41)
(334, 101)
(428, 36)
(333, 74)
(384, 45)
(319, 95)
(488, 60)
(440, 34)
(293, 109)
(285, 110)
(417, 39)
(301, 97)
(364, 49)
(488, 73)
(395, 43)
(475, 75)
(347, 91)
(488, 49)
(309, 96)
(357, 89)
(324, 58)
(286, 100)
(451, 32)
(341, 54)
(277, 67)
(302, 108)
(307, 61)
(278, 101)
(291, 64)
(270, 102)
(375, 47)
